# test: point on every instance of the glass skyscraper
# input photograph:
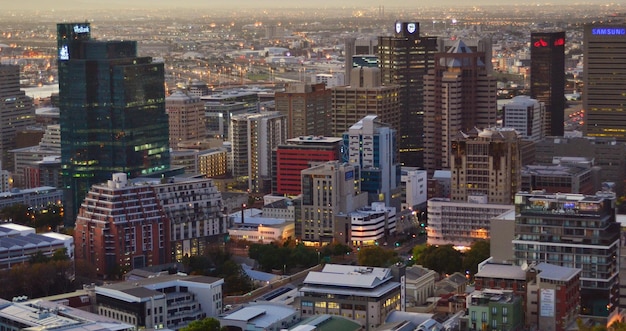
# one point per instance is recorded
(112, 106)
(547, 78)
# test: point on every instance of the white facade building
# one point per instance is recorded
(370, 224)
(461, 223)
(165, 301)
(331, 79)
(524, 115)
(415, 187)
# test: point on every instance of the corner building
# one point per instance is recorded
(574, 231)
(112, 112)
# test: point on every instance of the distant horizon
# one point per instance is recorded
(70, 5)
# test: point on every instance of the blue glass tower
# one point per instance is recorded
(112, 112)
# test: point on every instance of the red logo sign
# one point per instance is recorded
(540, 43)
(559, 42)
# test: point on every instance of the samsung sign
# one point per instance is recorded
(608, 31)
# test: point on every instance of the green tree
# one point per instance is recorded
(478, 252)
(376, 256)
(207, 324)
(18, 214)
(442, 259)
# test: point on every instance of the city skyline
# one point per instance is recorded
(321, 4)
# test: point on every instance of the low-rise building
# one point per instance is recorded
(261, 316)
(420, 285)
(364, 294)
(46, 315)
(19, 243)
(165, 301)
(494, 310)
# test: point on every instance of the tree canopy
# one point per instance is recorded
(478, 252)
(376, 256)
(283, 257)
(442, 259)
(207, 324)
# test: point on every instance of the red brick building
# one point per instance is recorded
(121, 227)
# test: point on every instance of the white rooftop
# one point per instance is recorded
(261, 315)
(504, 271)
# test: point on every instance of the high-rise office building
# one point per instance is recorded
(404, 59)
(486, 165)
(547, 78)
(459, 95)
(253, 137)
(300, 153)
(364, 96)
(328, 189)
(306, 108)
(604, 80)
(359, 52)
(112, 112)
(574, 231)
(371, 146)
(186, 118)
(16, 111)
(525, 116)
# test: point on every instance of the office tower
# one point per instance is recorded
(306, 108)
(356, 49)
(574, 231)
(300, 153)
(371, 146)
(112, 106)
(328, 189)
(547, 78)
(604, 80)
(606, 153)
(186, 118)
(253, 138)
(459, 95)
(404, 59)
(220, 107)
(486, 165)
(364, 96)
(16, 111)
(525, 116)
